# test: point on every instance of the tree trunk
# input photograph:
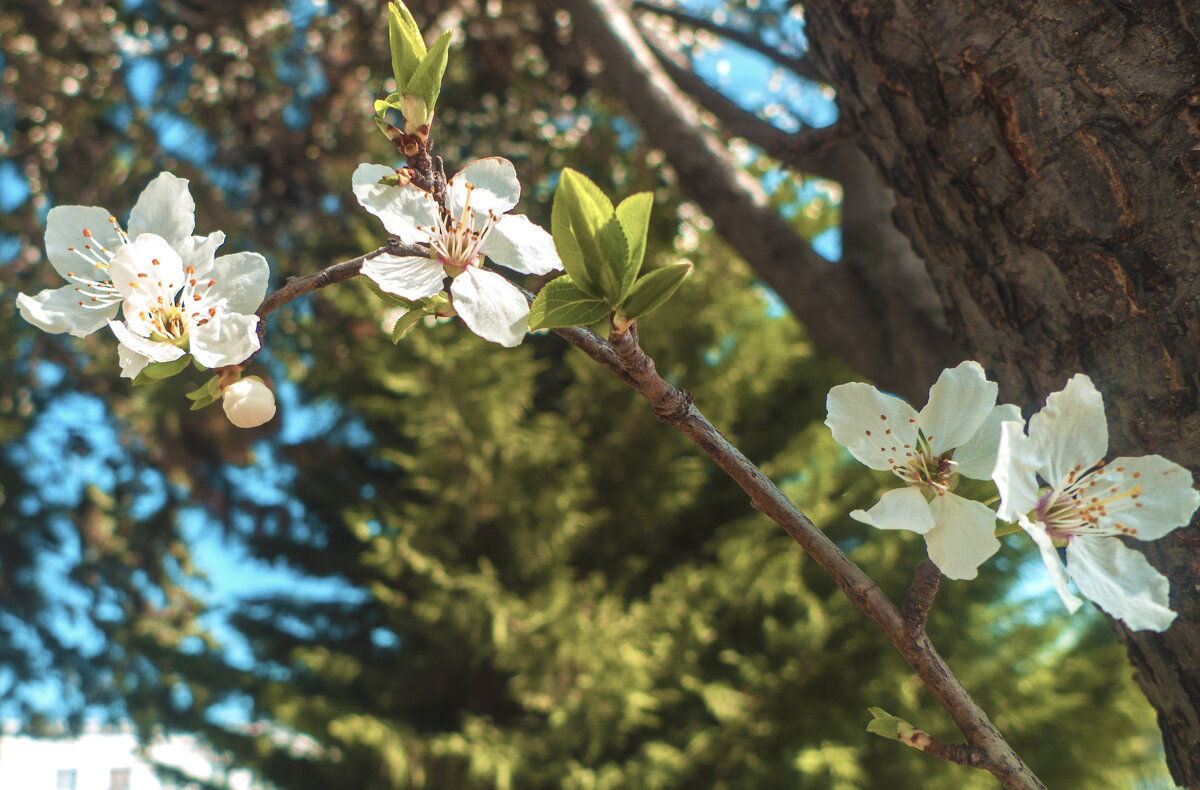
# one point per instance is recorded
(1045, 158)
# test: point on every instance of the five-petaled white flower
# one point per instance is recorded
(472, 225)
(1088, 505)
(955, 434)
(81, 242)
(172, 308)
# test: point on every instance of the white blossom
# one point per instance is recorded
(473, 224)
(81, 242)
(956, 434)
(1089, 505)
(248, 402)
(172, 307)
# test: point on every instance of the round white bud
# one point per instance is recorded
(248, 402)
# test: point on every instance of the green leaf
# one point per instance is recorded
(156, 371)
(886, 725)
(581, 211)
(591, 194)
(563, 303)
(616, 273)
(565, 241)
(432, 305)
(405, 41)
(634, 215)
(426, 81)
(653, 289)
(206, 394)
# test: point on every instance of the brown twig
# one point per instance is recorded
(986, 747)
(920, 596)
(957, 753)
(338, 272)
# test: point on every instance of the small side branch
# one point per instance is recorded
(957, 753)
(797, 65)
(338, 272)
(801, 151)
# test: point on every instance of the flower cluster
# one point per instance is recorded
(161, 290)
(1051, 477)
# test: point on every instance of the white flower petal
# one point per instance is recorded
(411, 278)
(877, 429)
(155, 350)
(226, 339)
(407, 212)
(900, 508)
(492, 184)
(1054, 564)
(1121, 582)
(1017, 461)
(976, 458)
(165, 208)
(70, 252)
(1070, 432)
(517, 243)
(959, 401)
(490, 306)
(241, 280)
(132, 363)
(199, 251)
(1147, 494)
(964, 535)
(147, 268)
(59, 310)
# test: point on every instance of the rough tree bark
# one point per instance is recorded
(1045, 158)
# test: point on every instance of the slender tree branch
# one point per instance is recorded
(798, 66)
(298, 286)
(920, 596)
(988, 749)
(801, 151)
(338, 272)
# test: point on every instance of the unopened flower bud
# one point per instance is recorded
(248, 402)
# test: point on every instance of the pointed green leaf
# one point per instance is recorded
(426, 82)
(652, 289)
(407, 322)
(404, 39)
(573, 198)
(617, 275)
(157, 371)
(208, 389)
(886, 725)
(634, 214)
(432, 305)
(563, 303)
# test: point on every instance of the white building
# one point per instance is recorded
(109, 761)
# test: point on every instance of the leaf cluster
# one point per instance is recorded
(603, 250)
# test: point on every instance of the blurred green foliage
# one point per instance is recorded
(556, 590)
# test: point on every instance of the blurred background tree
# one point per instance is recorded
(479, 568)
